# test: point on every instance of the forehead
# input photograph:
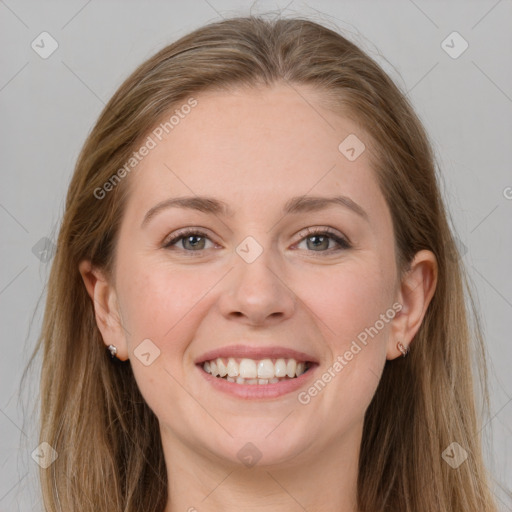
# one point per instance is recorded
(253, 146)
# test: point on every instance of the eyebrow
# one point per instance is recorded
(299, 204)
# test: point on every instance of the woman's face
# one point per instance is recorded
(257, 278)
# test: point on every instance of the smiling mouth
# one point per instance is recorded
(253, 371)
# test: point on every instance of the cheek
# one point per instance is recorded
(158, 302)
(165, 306)
(354, 308)
(350, 301)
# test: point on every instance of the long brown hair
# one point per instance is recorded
(92, 413)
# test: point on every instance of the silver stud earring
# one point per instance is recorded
(113, 350)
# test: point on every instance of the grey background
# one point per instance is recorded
(49, 105)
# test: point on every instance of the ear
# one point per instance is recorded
(106, 309)
(415, 292)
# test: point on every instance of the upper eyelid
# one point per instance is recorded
(303, 233)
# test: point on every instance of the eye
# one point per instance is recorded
(192, 240)
(319, 240)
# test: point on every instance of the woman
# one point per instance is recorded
(256, 300)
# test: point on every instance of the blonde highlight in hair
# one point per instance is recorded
(93, 415)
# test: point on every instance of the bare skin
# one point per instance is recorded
(255, 150)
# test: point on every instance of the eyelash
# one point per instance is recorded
(307, 233)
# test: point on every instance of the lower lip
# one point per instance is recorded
(255, 391)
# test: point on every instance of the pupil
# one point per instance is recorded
(195, 243)
(323, 239)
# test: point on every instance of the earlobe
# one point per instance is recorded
(416, 291)
(106, 309)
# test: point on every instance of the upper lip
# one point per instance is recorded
(257, 353)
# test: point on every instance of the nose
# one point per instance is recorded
(256, 293)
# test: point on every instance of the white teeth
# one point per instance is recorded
(232, 367)
(249, 371)
(221, 368)
(280, 368)
(265, 369)
(291, 366)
